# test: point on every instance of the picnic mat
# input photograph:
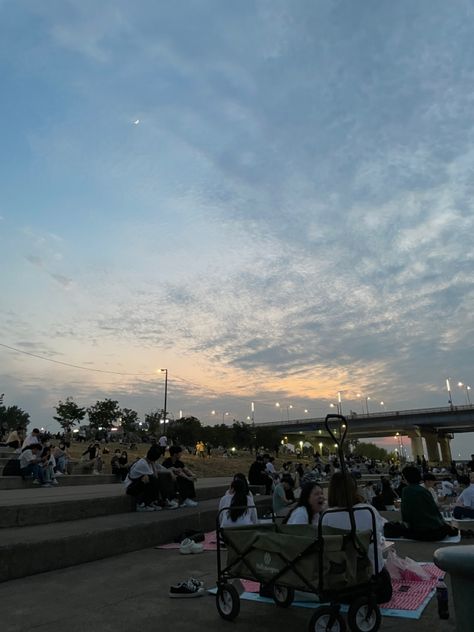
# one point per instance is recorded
(405, 604)
(449, 539)
(209, 544)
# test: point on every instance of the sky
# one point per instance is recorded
(271, 199)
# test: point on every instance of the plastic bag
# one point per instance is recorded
(405, 569)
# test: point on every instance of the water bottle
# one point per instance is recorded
(442, 598)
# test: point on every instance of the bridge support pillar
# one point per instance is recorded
(416, 443)
(431, 439)
(445, 445)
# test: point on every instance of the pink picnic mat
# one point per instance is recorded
(209, 544)
(412, 599)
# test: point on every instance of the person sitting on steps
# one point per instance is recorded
(184, 477)
(149, 483)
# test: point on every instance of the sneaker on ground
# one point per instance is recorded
(188, 502)
(143, 507)
(157, 506)
(196, 582)
(36, 482)
(188, 547)
(45, 485)
(171, 504)
(54, 482)
(185, 590)
(59, 474)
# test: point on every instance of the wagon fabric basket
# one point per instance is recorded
(290, 555)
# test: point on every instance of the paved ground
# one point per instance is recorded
(129, 593)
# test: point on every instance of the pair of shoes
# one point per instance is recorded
(188, 546)
(143, 507)
(170, 504)
(189, 588)
(188, 502)
(156, 505)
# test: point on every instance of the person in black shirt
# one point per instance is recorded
(184, 477)
(259, 476)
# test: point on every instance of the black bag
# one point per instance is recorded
(12, 468)
(394, 530)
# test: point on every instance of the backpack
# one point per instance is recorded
(12, 468)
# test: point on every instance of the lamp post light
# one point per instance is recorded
(165, 371)
(339, 403)
(466, 391)
(450, 397)
(288, 411)
(277, 405)
(224, 414)
(382, 404)
(359, 397)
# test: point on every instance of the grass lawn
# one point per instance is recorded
(216, 465)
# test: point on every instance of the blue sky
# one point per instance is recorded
(291, 216)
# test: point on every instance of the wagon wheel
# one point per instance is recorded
(228, 602)
(363, 617)
(283, 596)
(326, 619)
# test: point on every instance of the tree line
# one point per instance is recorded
(107, 414)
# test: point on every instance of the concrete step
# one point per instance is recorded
(16, 482)
(37, 549)
(49, 505)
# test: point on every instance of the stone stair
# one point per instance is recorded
(45, 529)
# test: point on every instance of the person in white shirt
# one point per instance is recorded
(309, 506)
(343, 494)
(34, 437)
(465, 503)
(143, 482)
(163, 444)
(30, 463)
(238, 506)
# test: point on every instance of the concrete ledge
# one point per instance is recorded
(16, 482)
(59, 505)
(32, 550)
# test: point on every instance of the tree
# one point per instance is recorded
(371, 451)
(13, 417)
(103, 413)
(152, 421)
(130, 420)
(268, 438)
(68, 414)
(186, 431)
(242, 434)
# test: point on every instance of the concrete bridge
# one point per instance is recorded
(435, 426)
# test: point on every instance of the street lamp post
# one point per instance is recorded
(450, 397)
(466, 391)
(165, 371)
(339, 403)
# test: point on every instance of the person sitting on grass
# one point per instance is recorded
(309, 505)
(149, 482)
(283, 495)
(184, 477)
(114, 464)
(465, 503)
(422, 518)
(240, 506)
